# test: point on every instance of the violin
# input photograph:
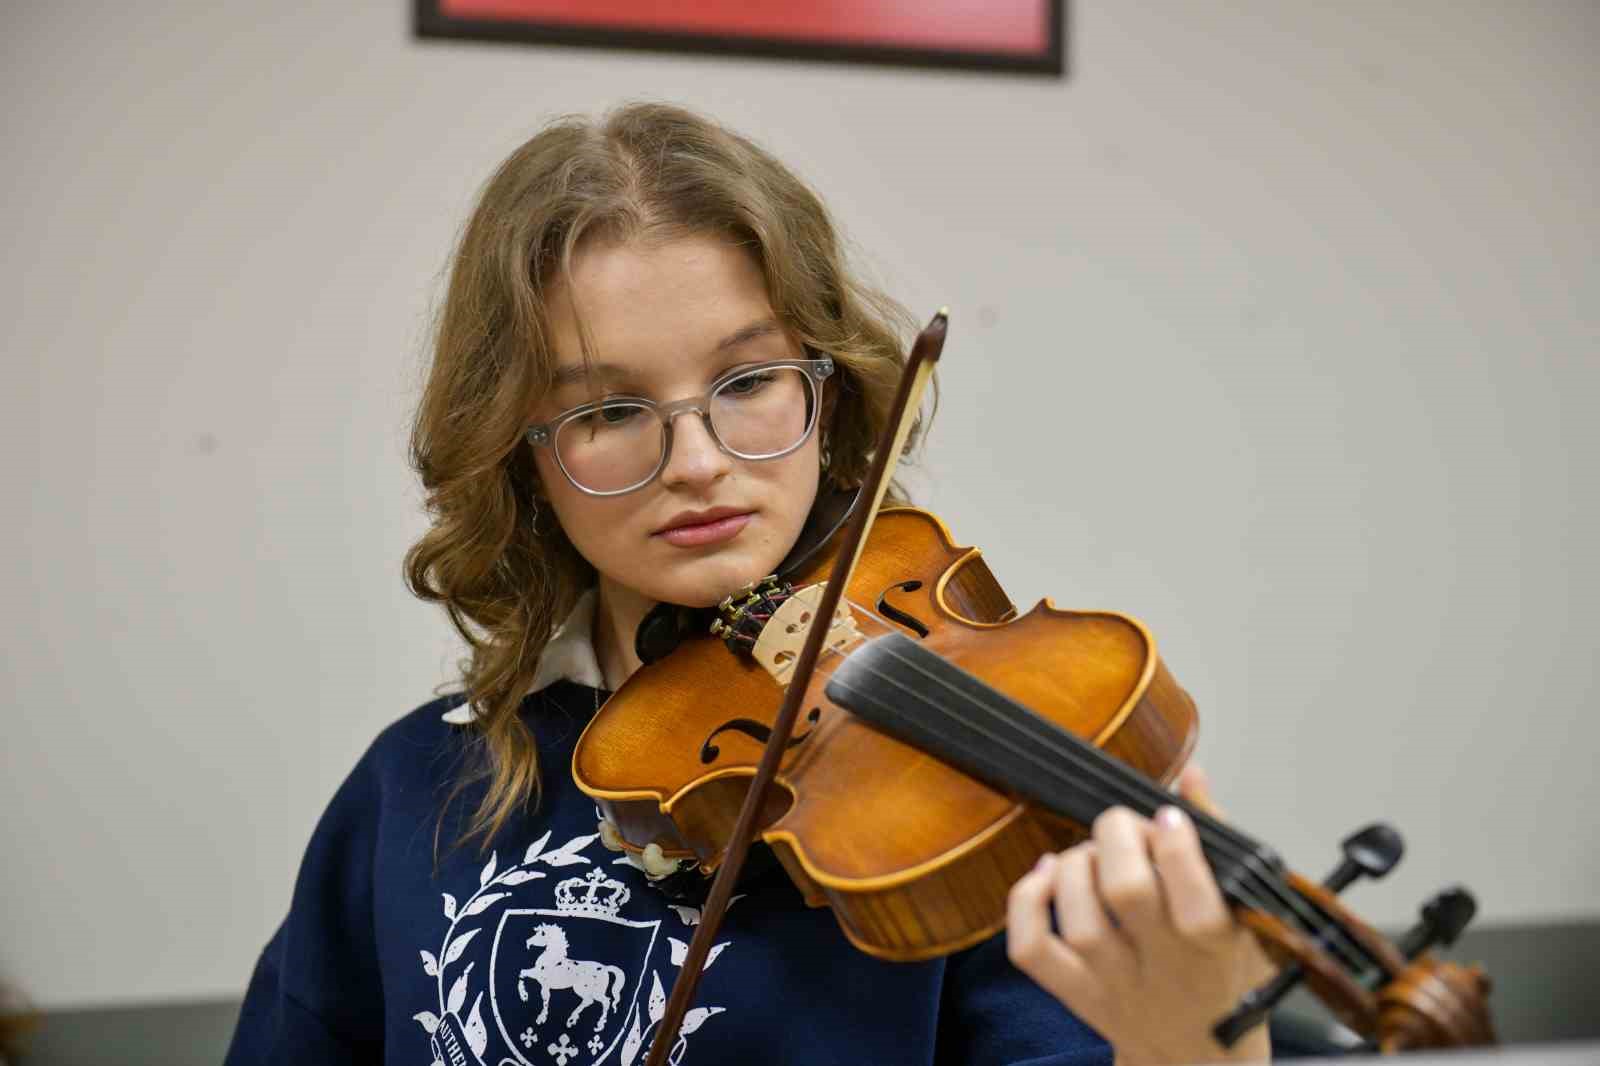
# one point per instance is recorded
(932, 743)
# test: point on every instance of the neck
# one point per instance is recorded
(617, 615)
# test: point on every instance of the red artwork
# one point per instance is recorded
(1021, 35)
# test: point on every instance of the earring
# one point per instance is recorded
(827, 453)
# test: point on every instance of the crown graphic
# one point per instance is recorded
(594, 895)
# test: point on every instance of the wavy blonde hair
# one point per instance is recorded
(642, 172)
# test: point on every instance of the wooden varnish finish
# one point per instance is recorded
(914, 857)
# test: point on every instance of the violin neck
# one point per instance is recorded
(918, 697)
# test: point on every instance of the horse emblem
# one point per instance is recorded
(585, 960)
(553, 969)
(484, 1012)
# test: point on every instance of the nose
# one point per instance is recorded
(696, 459)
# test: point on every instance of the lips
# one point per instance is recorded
(696, 528)
(687, 519)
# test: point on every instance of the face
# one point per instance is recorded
(667, 319)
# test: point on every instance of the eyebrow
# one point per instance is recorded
(766, 327)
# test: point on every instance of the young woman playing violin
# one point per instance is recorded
(651, 361)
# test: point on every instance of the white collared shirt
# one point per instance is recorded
(569, 656)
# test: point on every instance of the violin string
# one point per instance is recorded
(1134, 787)
(1248, 895)
(1220, 838)
(1332, 934)
(1216, 830)
(1145, 797)
(1200, 825)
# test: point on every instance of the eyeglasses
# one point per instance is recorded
(621, 443)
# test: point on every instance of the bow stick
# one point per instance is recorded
(913, 381)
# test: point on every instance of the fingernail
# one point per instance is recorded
(1170, 817)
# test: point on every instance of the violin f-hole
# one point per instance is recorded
(758, 731)
(895, 614)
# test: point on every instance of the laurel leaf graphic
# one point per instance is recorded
(488, 871)
(680, 951)
(483, 903)
(458, 946)
(535, 848)
(696, 1018)
(567, 854)
(564, 860)
(429, 1020)
(690, 915)
(477, 1035)
(430, 965)
(449, 906)
(517, 877)
(658, 999)
(712, 957)
(458, 991)
(630, 1046)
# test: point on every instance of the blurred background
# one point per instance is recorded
(1274, 324)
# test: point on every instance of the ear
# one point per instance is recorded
(830, 399)
(535, 476)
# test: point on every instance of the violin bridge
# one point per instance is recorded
(778, 647)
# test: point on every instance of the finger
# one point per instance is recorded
(1031, 945)
(1027, 910)
(1125, 875)
(1194, 785)
(1081, 916)
(1194, 904)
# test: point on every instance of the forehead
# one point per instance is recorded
(642, 301)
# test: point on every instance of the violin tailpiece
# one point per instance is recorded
(743, 616)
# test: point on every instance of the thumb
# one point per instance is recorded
(1194, 785)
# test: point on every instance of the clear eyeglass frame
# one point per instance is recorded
(816, 371)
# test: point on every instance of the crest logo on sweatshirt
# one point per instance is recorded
(575, 982)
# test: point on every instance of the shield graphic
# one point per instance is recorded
(563, 982)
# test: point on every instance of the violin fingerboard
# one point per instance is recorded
(921, 699)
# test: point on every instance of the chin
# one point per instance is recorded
(711, 589)
(706, 582)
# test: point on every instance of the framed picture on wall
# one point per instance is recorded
(1021, 36)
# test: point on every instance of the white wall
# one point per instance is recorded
(1274, 325)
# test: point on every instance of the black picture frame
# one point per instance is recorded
(430, 22)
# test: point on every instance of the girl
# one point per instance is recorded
(651, 365)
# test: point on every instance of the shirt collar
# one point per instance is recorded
(569, 656)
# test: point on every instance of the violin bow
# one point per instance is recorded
(914, 378)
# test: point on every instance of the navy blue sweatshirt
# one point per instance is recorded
(551, 949)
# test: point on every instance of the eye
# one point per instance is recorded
(608, 416)
(749, 384)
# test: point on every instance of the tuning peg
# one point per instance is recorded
(1370, 852)
(1443, 919)
(1255, 1005)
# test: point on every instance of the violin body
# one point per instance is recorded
(914, 857)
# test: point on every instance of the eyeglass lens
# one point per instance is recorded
(758, 415)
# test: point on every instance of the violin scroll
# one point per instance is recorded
(1420, 1002)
